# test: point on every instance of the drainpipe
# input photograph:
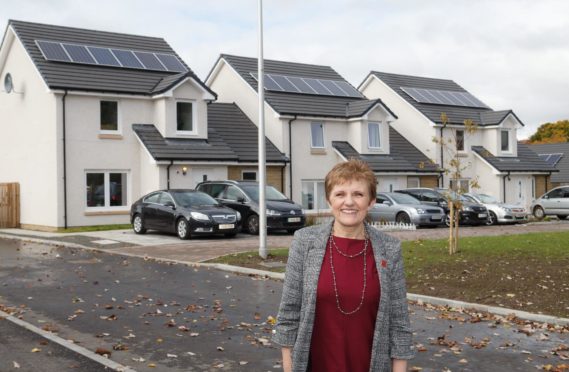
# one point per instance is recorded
(290, 154)
(64, 164)
(504, 186)
(546, 182)
(168, 174)
(441, 178)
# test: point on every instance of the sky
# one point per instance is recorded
(511, 54)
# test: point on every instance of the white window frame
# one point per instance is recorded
(314, 194)
(107, 192)
(194, 118)
(119, 117)
(248, 171)
(509, 149)
(321, 124)
(461, 182)
(463, 140)
(369, 145)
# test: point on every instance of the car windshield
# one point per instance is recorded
(487, 199)
(404, 199)
(192, 198)
(454, 195)
(270, 193)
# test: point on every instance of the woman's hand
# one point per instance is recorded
(287, 359)
(399, 365)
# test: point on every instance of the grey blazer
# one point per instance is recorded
(392, 336)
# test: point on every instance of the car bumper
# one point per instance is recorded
(285, 222)
(428, 219)
(473, 217)
(513, 218)
(210, 228)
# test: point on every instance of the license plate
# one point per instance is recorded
(226, 226)
(482, 215)
(436, 218)
(294, 219)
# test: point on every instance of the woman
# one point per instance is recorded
(344, 305)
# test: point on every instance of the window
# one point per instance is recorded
(317, 135)
(185, 116)
(373, 136)
(505, 140)
(413, 182)
(313, 195)
(109, 116)
(233, 193)
(249, 176)
(107, 189)
(459, 140)
(154, 198)
(460, 185)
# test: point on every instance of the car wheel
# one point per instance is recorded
(138, 224)
(447, 220)
(403, 217)
(561, 216)
(538, 213)
(183, 229)
(253, 224)
(492, 219)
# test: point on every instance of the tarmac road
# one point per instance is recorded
(174, 317)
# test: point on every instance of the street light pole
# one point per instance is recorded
(262, 161)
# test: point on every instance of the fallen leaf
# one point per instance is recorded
(16, 365)
(36, 350)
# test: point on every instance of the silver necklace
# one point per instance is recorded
(364, 252)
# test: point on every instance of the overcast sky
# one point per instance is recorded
(511, 54)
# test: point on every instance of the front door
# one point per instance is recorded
(198, 174)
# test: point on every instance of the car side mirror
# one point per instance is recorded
(170, 204)
(545, 197)
(241, 200)
(386, 202)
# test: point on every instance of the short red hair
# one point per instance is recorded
(351, 170)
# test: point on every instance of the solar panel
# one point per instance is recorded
(96, 55)
(284, 83)
(79, 54)
(305, 85)
(350, 90)
(171, 62)
(127, 58)
(317, 86)
(443, 97)
(53, 51)
(103, 56)
(301, 85)
(329, 84)
(150, 61)
(551, 159)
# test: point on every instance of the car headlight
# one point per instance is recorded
(468, 209)
(272, 212)
(199, 216)
(238, 215)
(420, 210)
(507, 209)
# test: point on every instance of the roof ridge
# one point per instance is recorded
(280, 60)
(414, 76)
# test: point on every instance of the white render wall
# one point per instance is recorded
(29, 139)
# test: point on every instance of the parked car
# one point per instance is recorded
(555, 202)
(403, 208)
(471, 213)
(243, 196)
(498, 212)
(184, 212)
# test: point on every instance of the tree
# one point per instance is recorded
(454, 168)
(551, 133)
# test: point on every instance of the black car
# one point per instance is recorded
(243, 196)
(471, 213)
(184, 212)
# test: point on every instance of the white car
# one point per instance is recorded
(499, 212)
(555, 202)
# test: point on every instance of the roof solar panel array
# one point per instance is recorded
(443, 97)
(91, 55)
(551, 159)
(303, 85)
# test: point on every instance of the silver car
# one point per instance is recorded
(555, 202)
(499, 212)
(403, 208)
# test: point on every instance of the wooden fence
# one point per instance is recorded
(9, 205)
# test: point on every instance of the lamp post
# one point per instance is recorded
(262, 161)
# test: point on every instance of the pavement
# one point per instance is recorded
(159, 316)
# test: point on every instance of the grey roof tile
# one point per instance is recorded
(231, 137)
(301, 104)
(563, 165)
(455, 114)
(61, 75)
(403, 157)
(526, 161)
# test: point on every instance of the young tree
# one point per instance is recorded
(454, 168)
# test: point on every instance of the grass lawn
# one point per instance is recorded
(528, 272)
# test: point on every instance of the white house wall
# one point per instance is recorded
(28, 145)
(411, 124)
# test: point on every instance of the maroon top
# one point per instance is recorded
(342, 343)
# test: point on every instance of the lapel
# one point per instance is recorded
(314, 258)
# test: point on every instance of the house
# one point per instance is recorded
(97, 119)
(556, 155)
(504, 168)
(315, 117)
